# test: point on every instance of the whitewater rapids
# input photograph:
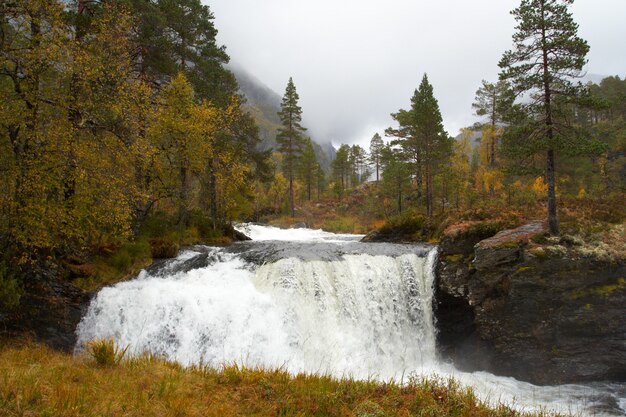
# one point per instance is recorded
(306, 301)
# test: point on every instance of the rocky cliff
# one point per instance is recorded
(49, 309)
(519, 303)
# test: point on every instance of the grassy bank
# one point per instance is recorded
(160, 237)
(35, 381)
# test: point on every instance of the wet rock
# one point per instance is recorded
(239, 237)
(545, 313)
(299, 225)
(235, 234)
(49, 310)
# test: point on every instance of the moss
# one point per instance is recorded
(555, 250)
(509, 245)
(572, 240)
(599, 251)
(540, 237)
(484, 230)
(539, 252)
(604, 290)
(607, 290)
(457, 257)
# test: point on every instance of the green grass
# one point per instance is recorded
(105, 352)
(36, 381)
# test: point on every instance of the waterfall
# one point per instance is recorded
(305, 301)
(358, 314)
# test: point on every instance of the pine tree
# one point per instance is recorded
(357, 159)
(396, 174)
(422, 136)
(289, 137)
(493, 100)
(320, 180)
(376, 147)
(341, 166)
(548, 54)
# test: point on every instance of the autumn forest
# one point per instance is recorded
(124, 135)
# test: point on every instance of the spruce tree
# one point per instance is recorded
(289, 137)
(547, 55)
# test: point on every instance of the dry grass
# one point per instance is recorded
(35, 381)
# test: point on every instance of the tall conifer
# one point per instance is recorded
(289, 138)
(422, 137)
(547, 55)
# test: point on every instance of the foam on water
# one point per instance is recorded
(364, 315)
(263, 233)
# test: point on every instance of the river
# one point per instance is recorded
(308, 301)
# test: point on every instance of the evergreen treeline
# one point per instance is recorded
(536, 122)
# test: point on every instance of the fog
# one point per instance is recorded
(356, 61)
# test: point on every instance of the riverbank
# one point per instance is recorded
(35, 380)
(515, 301)
(53, 294)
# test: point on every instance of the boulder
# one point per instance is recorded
(544, 313)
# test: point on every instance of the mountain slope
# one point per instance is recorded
(264, 104)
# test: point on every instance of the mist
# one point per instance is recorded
(355, 62)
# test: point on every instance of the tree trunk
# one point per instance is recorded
(212, 194)
(553, 224)
(400, 200)
(293, 211)
(429, 192)
(141, 214)
(418, 177)
(308, 188)
(184, 195)
(444, 196)
(603, 171)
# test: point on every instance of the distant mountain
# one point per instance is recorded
(264, 104)
(474, 140)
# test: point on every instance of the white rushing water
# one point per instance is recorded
(334, 306)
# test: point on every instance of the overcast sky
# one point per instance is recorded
(356, 61)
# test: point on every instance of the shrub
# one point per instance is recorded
(137, 250)
(106, 352)
(163, 248)
(484, 230)
(340, 225)
(10, 287)
(121, 260)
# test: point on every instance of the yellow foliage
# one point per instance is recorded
(540, 187)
